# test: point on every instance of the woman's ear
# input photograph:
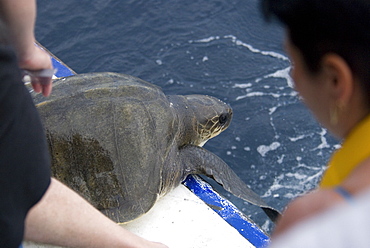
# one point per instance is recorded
(339, 78)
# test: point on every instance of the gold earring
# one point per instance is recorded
(334, 116)
(334, 113)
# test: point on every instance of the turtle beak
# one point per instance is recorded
(203, 143)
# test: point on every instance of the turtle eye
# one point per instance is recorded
(222, 119)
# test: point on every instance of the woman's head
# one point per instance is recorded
(322, 33)
(318, 27)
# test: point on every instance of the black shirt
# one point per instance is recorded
(24, 157)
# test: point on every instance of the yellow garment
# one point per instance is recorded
(354, 150)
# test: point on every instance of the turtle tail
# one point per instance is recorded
(202, 161)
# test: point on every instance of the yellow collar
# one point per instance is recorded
(354, 150)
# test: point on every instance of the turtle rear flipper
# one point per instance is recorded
(201, 161)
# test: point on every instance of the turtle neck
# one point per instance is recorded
(355, 149)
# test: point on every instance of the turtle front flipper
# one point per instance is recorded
(200, 161)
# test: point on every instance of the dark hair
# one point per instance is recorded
(318, 27)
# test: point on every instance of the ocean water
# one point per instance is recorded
(214, 47)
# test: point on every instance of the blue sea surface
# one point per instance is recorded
(215, 47)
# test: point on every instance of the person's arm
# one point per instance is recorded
(19, 17)
(64, 218)
(304, 207)
(321, 199)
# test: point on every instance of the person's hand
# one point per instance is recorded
(34, 60)
(156, 245)
(141, 242)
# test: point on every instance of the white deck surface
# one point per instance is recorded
(182, 220)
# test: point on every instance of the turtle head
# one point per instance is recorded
(202, 118)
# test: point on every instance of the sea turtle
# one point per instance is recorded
(122, 143)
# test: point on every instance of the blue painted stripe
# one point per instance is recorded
(227, 211)
(63, 71)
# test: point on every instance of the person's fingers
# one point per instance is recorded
(42, 85)
(36, 86)
(41, 80)
(46, 88)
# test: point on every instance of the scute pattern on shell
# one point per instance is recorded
(98, 156)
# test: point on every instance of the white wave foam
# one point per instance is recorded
(281, 159)
(252, 94)
(265, 149)
(283, 73)
(294, 139)
(242, 86)
(272, 110)
(255, 50)
(296, 175)
(159, 62)
(238, 42)
(324, 142)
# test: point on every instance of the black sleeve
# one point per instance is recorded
(24, 156)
